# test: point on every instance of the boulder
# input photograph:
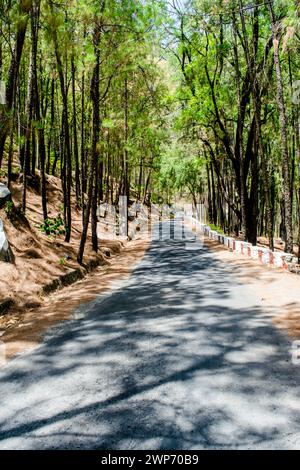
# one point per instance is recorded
(67, 256)
(106, 252)
(4, 194)
(32, 181)
(5, 251)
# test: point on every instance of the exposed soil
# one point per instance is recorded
(278, 289)
(23, 330)
(278, 244)
(41, 260)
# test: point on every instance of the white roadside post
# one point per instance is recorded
(2, 350)
(123, 216)
(2, 92)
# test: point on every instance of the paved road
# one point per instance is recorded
(179, 357)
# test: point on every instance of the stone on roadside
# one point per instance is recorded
(4, 194)
(106, 252)
(6, 253)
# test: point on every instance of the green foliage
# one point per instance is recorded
(217, 110)
(9, 207)
(169, 108)
(182, 169)
(53, 226)
(62, 261)
(217, 228)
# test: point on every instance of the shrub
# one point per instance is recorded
(53, 226)
(9, 207)
(62, 261)
(217, 228)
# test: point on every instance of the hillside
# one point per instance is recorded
(41, 259)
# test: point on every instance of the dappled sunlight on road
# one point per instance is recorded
(182, 355)
(32, 325)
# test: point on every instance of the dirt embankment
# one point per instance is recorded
(33, 291)
(25, 329)
(278, 289)
(40, 259)
(44, 263)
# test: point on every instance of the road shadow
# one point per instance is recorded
(181, 357)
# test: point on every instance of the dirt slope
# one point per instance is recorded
(39, 259)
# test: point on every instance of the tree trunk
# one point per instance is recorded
(94, 91)
(66, 131)
(283, 128)
(75, 141)
(38, 114)
(6, 120)
(28, 130)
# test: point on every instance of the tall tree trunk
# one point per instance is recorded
(276, 30)
(28, 130)
(94, 92)
(95, 96)
(140, 178)
(239, 136)
(24, 7)
(38, 114)
(126, 182)
(51, 140)
(75, 140)
(82, 143)
(66, 131)
(214, 209)
(210, 216)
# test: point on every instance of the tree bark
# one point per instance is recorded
(276, 30)
(66, 132)
(75, 140)
(6, 120)
(90, 203)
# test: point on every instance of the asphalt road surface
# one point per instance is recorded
(179, 356)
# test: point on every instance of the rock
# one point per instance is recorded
(104, 209)
(31, 253)
(5, 251)
(106, 252)
(288, 258)
(32, 304)
(5, 305)
(67, 256)
(4, 194)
